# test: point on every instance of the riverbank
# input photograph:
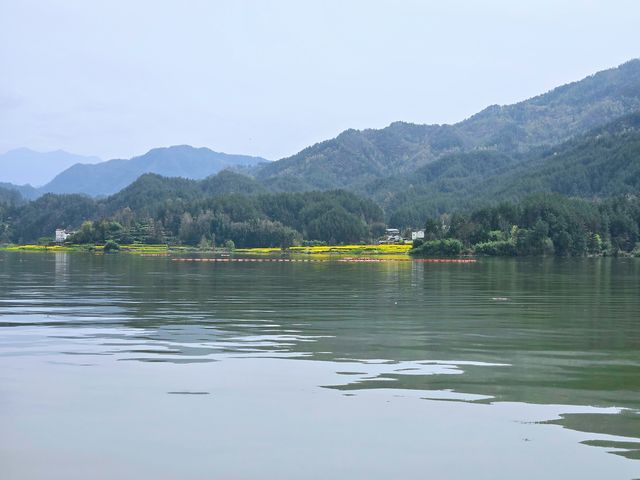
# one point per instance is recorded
(139, 249)
(386, 250)
(383, 249)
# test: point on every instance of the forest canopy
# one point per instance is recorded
(160, 210)
(542, 224)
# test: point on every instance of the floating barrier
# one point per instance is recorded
(244, 260)
(445, 260)
(370, 260)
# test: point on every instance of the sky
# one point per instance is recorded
(115, 78)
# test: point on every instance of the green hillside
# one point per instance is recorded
(603, 162)
(157, 209)
(356, 158)
(109, 177)
(581, 140)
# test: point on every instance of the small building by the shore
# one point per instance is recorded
(392, 235)
(417, 235)
(62, 235)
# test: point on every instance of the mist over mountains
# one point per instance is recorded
(178, 161)
(23, 166)
(106, 178)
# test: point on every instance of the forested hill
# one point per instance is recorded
(157, 209)
(10, 201)
(604, 162)
(542, 224)
(364, 161)
(355, 158)
(10, 197)
(110, 177)
(579, 140)
(25, 191)
(600, 164)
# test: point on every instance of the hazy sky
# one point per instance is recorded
(116, 78)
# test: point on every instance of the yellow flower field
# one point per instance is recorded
(139, 249)
(385, 249)
(395, 251)
(38, 248)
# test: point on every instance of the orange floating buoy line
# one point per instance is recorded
(445, 260)
(344, 260)
(247, 260)
(366, 260)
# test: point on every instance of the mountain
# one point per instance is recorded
(604, 162)
(156, 209)
(356, 158)
(579, 140)
(228, 181)
(151, 190)
(112, 176)
(10, 197)
(26, 191)
(23, 166)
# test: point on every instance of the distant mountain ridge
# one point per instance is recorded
(355, 158)
(23, 166)
(585, 130)
(26, 191)
(603, 162)
(112, 176)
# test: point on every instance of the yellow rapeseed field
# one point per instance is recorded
(396, 251)
(385, 249)
(140, 249)
(38, 248)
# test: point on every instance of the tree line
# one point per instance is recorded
(543, 224)
(160, 210)
(175, 211)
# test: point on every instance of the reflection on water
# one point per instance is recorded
(559, 337)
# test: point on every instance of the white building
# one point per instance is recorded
(61, 235)
(417, 235)
(392, 235)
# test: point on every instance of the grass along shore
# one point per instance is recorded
(144, 249)
(140, 249)
(384, 249)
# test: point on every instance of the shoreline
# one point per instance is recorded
(386, 250)
(399, 252)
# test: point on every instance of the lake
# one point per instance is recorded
(121, 366)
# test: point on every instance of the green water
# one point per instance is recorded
(137, 367)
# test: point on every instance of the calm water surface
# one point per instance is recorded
(130, 367)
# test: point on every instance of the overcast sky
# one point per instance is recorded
(116, 78)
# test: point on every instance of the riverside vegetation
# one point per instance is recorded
(538, 225)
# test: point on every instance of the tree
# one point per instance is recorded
(111, 247)
(439, 248)
(432, 229)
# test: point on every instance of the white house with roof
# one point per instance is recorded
(417, 235)
(62, 235)
(392, 235)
